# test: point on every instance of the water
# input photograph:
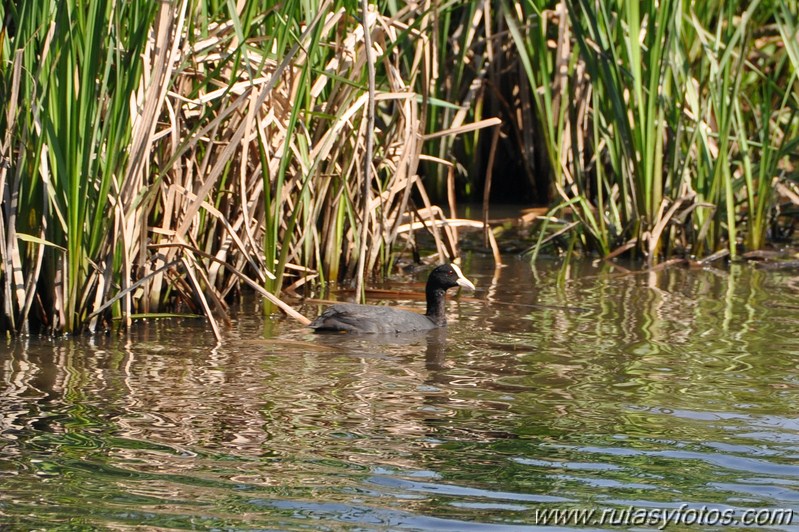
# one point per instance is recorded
(579, 388)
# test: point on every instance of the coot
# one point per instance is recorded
(348, 317)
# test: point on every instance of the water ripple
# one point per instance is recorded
(671, 388)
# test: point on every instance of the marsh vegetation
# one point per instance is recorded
(157, 157)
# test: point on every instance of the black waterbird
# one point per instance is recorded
(352, 318)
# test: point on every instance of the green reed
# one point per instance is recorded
(80, 66)
(673, 144)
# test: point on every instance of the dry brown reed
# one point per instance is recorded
(252, 160)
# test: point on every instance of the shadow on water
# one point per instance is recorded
(566, 387)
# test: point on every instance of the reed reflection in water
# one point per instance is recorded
(578, 386)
